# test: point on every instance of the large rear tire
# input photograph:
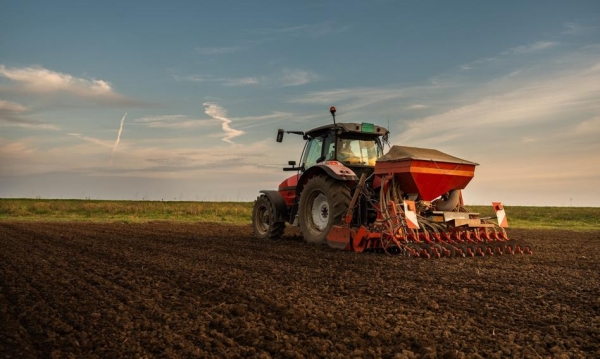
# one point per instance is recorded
(323, 203)
(263, 220)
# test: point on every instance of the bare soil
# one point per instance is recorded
(206, 290)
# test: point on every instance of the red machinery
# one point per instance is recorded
(407, 201)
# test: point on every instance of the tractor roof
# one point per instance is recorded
(368, 129)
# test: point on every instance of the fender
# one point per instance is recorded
(281, 212)
(334, 169)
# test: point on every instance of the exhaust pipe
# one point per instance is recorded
(450, 203)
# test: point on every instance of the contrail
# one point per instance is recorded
(118, 139)
(218, 113)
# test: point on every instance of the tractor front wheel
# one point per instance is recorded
(263, 220)
(323, 203)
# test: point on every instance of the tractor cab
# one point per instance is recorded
(355, 145)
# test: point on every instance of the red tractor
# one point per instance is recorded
(348, 194)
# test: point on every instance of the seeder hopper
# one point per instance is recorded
(409, 201)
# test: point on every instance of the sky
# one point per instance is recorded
(181, 100)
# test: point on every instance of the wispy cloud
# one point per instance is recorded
(242, 81)
(416, 107)
(572, 28)
(13, 114)
(520, 103)
(96, 141)
(352, 99)
(12, 107)
(524, 49)
(313, 30)
(212, 51)
(286, 78)
(175, 122)
(296, 77)
(518, 50)
(217, 112)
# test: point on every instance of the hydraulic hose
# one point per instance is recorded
(450, 203)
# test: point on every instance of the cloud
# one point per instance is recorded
(527, 102)
(355, 98)
(13, 114)
(572, 28)
(243, 81)
(212, 51)
(174, 122)
(312, 30)
(218, 113)
(13, 107)
(297, 77)
(277, 115)
(96, 141)
(416, 107)
(518, 50)
(192, 78)
(40, 81)
(524, 49)
(286, 78)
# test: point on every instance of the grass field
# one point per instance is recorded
(576, 218)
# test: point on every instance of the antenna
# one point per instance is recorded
(332, 111)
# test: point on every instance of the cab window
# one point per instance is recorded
(358, 152)
(313, 152)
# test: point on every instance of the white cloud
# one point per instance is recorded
(38, 79)
(41, 81)
(219, 113)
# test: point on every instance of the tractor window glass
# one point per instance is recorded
(329, 149)
(358, 152)
(313, 152)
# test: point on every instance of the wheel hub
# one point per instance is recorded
(320, 212)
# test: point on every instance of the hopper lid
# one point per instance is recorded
(400, 153)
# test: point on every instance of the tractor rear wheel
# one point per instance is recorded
(323, 203)
(263, 220)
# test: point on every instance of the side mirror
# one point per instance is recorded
(293, 168)
(280, 135)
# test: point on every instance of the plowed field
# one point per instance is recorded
(206, 290)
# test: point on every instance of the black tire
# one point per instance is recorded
(324, 202)
(263, 220)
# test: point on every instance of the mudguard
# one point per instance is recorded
(334, 169)
(281, 212)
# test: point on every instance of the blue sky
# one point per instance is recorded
(182, 100)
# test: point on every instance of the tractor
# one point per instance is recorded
(350, 195)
